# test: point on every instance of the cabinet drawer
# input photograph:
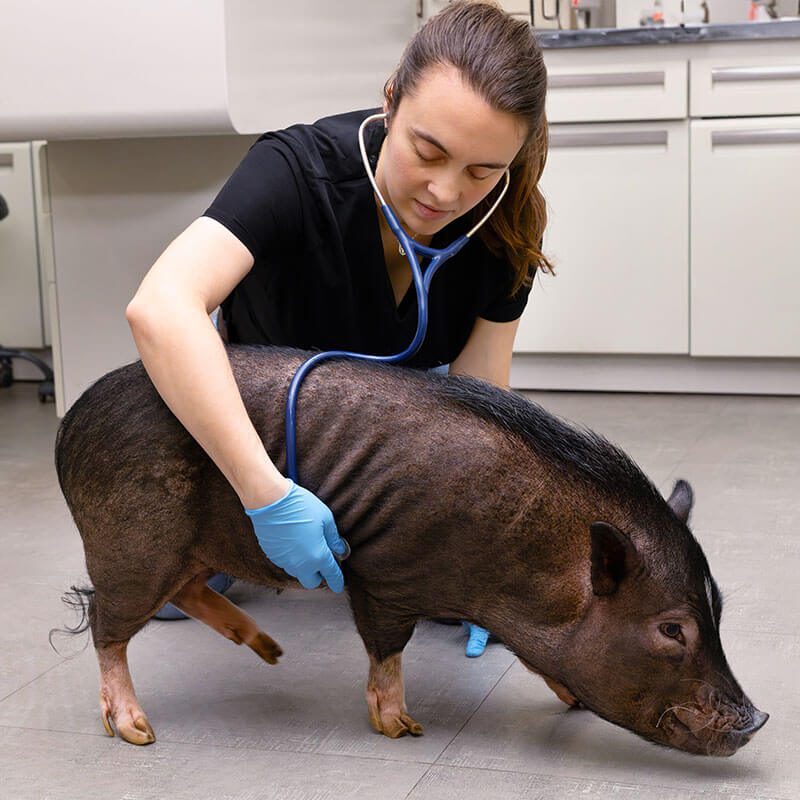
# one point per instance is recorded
(748, 81)
(620, 86)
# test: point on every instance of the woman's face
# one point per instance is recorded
(445, 150)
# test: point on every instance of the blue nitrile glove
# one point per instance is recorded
(297, 533)
(478, 638)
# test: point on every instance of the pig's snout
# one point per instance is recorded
(713, 725)
(759, 720)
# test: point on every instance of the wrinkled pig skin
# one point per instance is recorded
(459, 500)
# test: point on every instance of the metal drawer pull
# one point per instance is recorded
(731, 74)
(578, 80)
(6, 159)
(776, 136)
(607, 139)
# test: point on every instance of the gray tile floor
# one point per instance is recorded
(229, 726)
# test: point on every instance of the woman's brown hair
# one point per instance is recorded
(499, 58)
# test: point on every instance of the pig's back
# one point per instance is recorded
(114, 435)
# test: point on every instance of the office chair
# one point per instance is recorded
(47, 386)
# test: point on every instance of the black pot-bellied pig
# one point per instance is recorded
(458, 499)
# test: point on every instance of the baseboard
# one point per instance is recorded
(684, 374)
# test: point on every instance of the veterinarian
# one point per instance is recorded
(296, 251)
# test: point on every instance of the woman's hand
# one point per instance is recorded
(298, 534)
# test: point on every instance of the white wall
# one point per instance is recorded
(731, 11)
(116, 205)
(102, 70)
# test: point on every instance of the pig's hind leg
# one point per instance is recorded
(385, 635)
(119, 705)
(118, 702)
(115, 616)
(204, 604)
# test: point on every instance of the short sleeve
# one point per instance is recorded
(501, 307)
(260, 203)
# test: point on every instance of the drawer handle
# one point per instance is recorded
(607, 139)
(578, 80)
(735, 74)
(6, 159)
(776, 136)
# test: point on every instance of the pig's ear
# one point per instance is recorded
(613, 557)
(681, 500)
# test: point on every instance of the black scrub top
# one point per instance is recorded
(301, 203)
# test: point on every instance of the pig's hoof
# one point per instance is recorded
(135, 731)
(266, 647)
(394, 725)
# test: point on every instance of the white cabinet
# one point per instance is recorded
(618, 204)
(22, 248)
(745, 256)
(126, 69)
(619, 196)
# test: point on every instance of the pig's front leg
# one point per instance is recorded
(385, 634)
(386, 699)
(561, 692)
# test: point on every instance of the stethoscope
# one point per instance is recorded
(421, 284)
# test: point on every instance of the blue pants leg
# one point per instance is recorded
(219, 583)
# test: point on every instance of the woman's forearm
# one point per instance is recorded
(186, 361)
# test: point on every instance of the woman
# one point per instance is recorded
(297, 252)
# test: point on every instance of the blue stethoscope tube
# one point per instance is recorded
(422, 284)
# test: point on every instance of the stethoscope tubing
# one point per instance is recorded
(421, 282)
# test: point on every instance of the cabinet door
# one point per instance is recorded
(745, 261)
(618, 205)
(20, 298)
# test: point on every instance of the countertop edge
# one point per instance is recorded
(689, 34)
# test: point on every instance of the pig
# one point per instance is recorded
(459, 500)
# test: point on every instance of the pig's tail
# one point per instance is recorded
(81, 600)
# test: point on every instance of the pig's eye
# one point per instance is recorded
(672, 631)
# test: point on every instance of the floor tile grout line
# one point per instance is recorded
(455, 735)
(576, 778)
(421, 778)
(32, 680)
(180, 743)
(430, 765)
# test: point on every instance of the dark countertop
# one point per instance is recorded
(691, 34)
